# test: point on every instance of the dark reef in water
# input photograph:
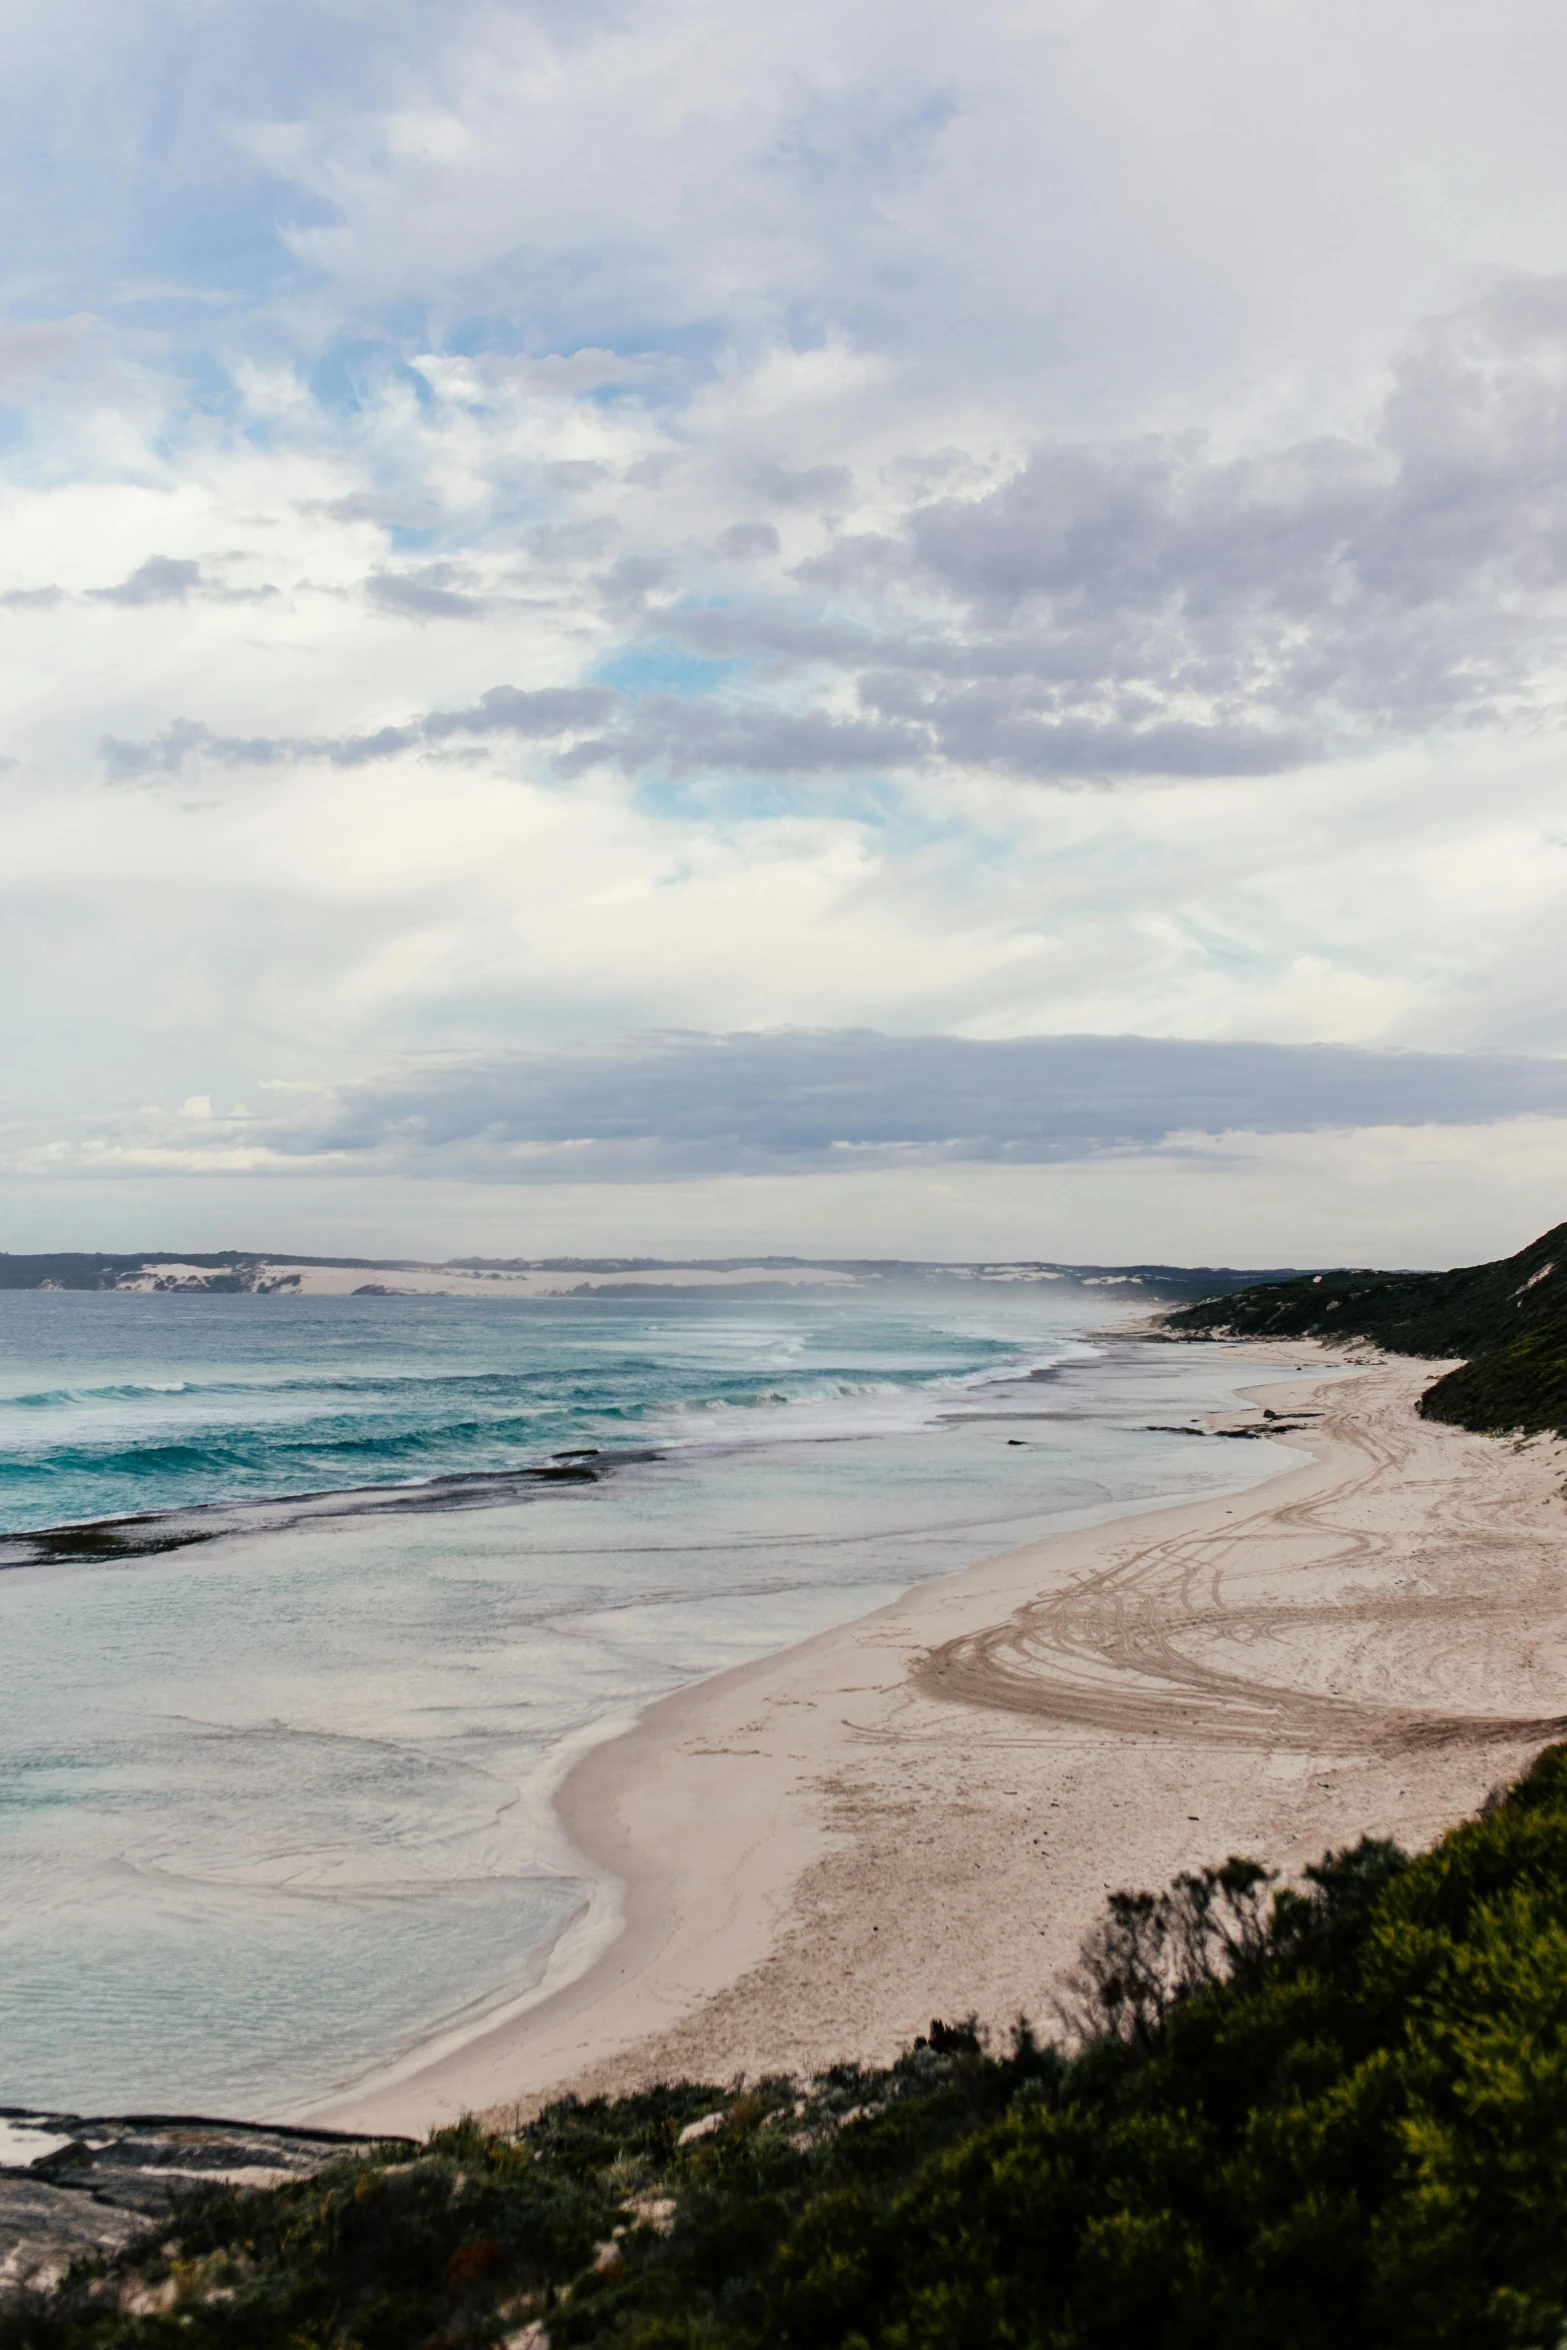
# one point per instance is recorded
(150, 1532)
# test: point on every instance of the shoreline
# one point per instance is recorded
(919, 1812)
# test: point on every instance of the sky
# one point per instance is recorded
(670, 626)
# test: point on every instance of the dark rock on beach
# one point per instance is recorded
(94, 2186)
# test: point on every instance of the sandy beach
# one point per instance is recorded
(919, 1814)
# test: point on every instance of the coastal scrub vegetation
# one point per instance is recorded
(1508, 1319)
(1273, 2118)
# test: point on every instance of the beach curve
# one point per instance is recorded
(919, 1812)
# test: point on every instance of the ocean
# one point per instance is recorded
(303, 1614)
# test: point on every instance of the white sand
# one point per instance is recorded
(280, 1274)
(920, 1813)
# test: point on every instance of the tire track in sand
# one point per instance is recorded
(1114, 1651)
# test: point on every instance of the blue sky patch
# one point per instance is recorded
(659, 668)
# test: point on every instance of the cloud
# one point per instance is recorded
(550, 713)
(883, 422)
(988, 730)
(804, 1096)
(807, 485)
(1165, 606)
(1397, 583)
(1041, 201)
(1098, 610)
(508, 709)
(162, 579)
(428, 593)
(662, 732)
(742, 540)
(657, 731)
(680, 1105)
(554, 373)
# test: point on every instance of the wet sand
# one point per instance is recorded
(919, 1813)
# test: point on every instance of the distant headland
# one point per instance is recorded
(1507, 1322)
(277, 1273)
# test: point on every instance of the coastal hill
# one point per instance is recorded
(1508, 1320)
(277, 1274)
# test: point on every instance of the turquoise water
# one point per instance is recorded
(276, 1804)
(114, 1404)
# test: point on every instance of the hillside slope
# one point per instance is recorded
(1285, 2120)
(1509, 1319)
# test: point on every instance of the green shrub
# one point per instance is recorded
(1509, 1319)
(1339, 2117)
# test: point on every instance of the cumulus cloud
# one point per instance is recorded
(1165, 606)
(680, 1104)
(1098, 610)
(1394, 583)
